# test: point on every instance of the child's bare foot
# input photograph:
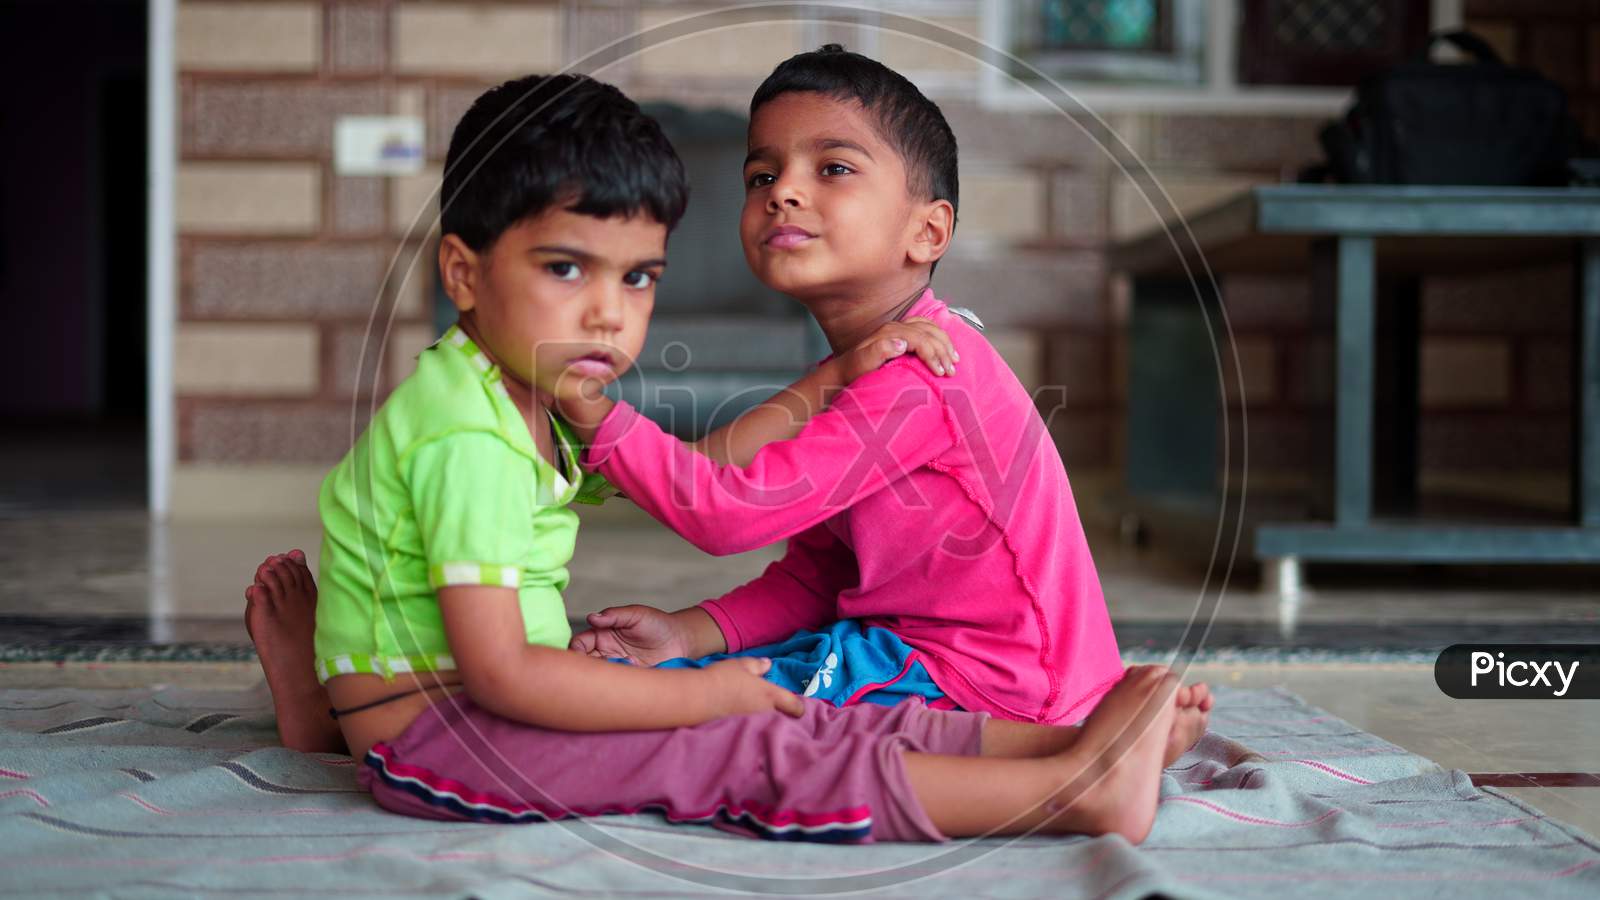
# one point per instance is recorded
(1115, 764)
(1192, 704)
(281, 615)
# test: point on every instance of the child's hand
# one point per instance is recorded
(914, 335)
(581, 401)
(737, 688)
(643, 635)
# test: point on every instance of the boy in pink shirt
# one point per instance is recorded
(935, 508)
(957, 532)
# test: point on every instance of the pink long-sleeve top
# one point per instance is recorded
(936, 507)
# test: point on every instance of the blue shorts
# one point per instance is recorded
(842, 664)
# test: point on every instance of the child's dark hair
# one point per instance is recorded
(907, 121)
(541, 140)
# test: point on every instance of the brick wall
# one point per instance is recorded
(282, 260)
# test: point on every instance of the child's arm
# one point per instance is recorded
(798, 591)
(782, 416)
(556, 689)
(801, 590)
(874, 433)
(472, 493)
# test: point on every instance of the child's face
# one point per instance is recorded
(827, 207)
(560, 294)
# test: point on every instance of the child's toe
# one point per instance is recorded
(302, 577)
(272, 582)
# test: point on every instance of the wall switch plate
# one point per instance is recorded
(378, 145)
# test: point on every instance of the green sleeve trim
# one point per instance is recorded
(450, 574)
(387, 666)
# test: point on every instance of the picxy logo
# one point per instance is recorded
(1507, 672)
(1519, 671)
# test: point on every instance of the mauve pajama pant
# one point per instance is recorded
(834, 774)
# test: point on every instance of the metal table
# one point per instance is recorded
(1358, 244)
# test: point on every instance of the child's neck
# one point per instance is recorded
(529, 400)
(850, 318)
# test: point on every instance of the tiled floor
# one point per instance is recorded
(116, 564)
(112, 577)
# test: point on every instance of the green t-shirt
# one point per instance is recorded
(445, 487)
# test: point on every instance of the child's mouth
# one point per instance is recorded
(594, 365)
(786, 237)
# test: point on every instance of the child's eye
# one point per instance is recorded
(564, 271)
(639, 280)
(760, 179)
(841, 167)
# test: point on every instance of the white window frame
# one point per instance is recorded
(1218, 92)
(868, 39)
(1184, 65)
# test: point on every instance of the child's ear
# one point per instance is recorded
(935, 224)
(458, 272)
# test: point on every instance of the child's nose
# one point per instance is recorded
(605, 311)
(785, 194)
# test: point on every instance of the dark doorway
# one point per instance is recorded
(73, 254)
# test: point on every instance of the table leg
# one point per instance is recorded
(1355, 335)
(1586, 397)
(1395, 395)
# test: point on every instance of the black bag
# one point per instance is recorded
(1480, 123)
